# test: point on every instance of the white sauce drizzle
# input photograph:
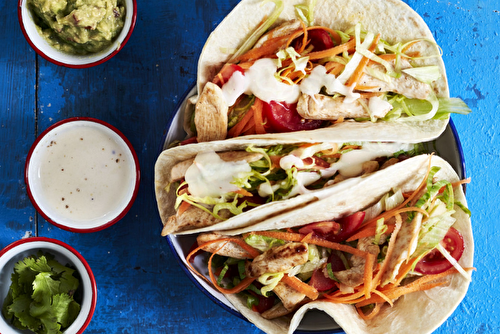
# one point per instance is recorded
(211, 176)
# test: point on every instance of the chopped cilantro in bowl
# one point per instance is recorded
(46, 286)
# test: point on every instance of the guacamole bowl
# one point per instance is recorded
(79, 37)
(66, 264)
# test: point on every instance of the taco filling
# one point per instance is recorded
(403, 244)
(298, 76)
(214, 186)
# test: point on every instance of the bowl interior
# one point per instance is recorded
(113, 202)
(62, 255)
(61, 58)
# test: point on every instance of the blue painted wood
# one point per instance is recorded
(141, 288)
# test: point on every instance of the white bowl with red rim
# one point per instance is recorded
(82, 174)
(44, 49)
(85, 295)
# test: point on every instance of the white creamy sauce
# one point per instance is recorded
(84, 174)
(303, 180)
(288, 161)
(260, 80)
(378, 107)
(350, 164)
(209, 175)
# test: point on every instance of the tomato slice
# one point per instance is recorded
(283, 117)
(320, 229)
(435, 262)
(225, 74)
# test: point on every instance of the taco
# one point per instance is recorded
(231, 184)
(321, 67)
(396, 250)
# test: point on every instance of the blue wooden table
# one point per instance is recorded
(141, 288)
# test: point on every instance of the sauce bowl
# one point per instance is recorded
(85, 295)
(44, 49)
(82, 174)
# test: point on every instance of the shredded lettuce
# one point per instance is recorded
(306, 12)
(380, 229)
(269, 280)
(454, 262)
(425, 74)
(263, 243)
(330, 272)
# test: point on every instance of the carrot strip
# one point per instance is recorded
(372, 314)
(300, 286)
(388, 214)
(358, 73)
(384, 297)
(368, 274)
(334, 68)
(361, 87)
(307, 238)
(183, 207)
(345, 300)
(370, 231)
(458, 183)
(332, 51)
(243, 192)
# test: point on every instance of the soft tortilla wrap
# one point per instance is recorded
(169, 158)
(434, 305)
(395, 20)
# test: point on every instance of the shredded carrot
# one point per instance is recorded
(361, 87)
(368, 95)
(307, 238)
(334, 68)
(398, 292)
(236, 130)
(384, 297)
(183, 207)
(339, 120)
(243, 192)
(358, 73)
(372, 314)
(267, 49)
(300, 286)
(332, 51)
(391, 213)
(369, 231)
(352, 298)
(297, 237)
(458, 183)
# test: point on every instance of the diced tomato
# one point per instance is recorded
(265, 303)
(225, 74)
(318, 38)
(283, 117)
(435, 262)
(337, 231)
(320, 281)
(349, 225)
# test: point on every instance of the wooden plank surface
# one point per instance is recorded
(141, 288)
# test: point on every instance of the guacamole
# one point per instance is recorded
(79, 26)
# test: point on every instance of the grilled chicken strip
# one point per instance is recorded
(210, 116)
(192, 218)
(288, 296)
(179, 170)
(278, 259)
(230, 249)
(405, 85)
(323, 107)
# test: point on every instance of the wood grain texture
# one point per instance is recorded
(141, 288)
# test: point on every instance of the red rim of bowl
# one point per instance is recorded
(100, 61)
(136, 185)
(79, 256)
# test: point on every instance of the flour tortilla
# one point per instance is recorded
(267, 212)
(394, 19)
(419, 312)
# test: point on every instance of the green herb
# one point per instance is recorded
(40, 297)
